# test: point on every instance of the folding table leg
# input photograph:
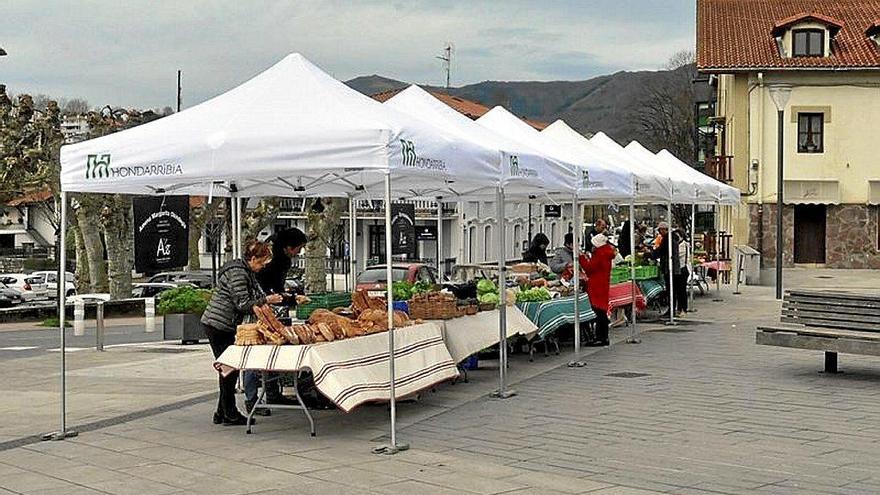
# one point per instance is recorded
(303, 404)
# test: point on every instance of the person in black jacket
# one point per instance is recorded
(662, 255)
(537, 252)
(286, 244)
(623, 244)
(236, 293)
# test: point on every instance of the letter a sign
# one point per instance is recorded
(161, 233)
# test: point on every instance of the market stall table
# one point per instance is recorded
(651, 288)
(470, 334)
(355, 371)
(621, 296)
(550, 315)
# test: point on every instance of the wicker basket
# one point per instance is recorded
(433, 306)
(487, 306)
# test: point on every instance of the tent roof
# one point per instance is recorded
(684, 187)
(531, 163)
(557, 171)
(590, 179)
(291, 130)
(647, 186)
(723, 192)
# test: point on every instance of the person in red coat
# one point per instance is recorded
(597, 268)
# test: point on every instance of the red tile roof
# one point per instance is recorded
(790, 21)
(468, 108)
(31, 198)
(738, 35)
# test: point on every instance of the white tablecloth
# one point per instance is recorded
(469, 334)
(354, 371)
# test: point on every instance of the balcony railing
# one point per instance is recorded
(720, 167)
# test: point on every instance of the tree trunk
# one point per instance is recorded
(116, 220)
(82, 264)
(259, 218)
(199, 216)
(93, 246)
(321, 232)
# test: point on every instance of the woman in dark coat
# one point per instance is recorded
(537, 252)
(236, 293)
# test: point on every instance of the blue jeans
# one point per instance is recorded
(254, 379)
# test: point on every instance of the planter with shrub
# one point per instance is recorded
(181, 309)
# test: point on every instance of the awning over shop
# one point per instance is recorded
(811, 192)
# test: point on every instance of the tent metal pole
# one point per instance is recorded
(502, 392)
(352, 241)
(576, 278)
(691, 257)
(238, 227)
(439, 237)
(233, 215)
(717, 253)
(633, 331)
(670, 289)
(393, 447)
(63, 432)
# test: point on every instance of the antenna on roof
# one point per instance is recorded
(447, 58)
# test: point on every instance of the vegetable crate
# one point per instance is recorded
(647, 272)
(326, 300)
(620, 274)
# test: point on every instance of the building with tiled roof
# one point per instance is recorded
(825, 54)
(468, 108)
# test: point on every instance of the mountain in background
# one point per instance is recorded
(608, 103)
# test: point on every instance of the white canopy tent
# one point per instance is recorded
(647, 185)
(525, 173)
(596, 182)
(292, 130)
(727, 195)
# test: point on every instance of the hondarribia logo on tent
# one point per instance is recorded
(517, 171)
(412, 159)
(99, 167)
(587, 183)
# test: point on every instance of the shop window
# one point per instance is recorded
(487, 243)
(472, 244)
(811, 132)
(809, 43)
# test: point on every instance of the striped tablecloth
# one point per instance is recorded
(621, 295)
(651, 288)
(470, 334)
(354, 371)
(550, 315)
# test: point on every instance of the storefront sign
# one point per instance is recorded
(552, 211)
(161, 233)
(426, 232)
(403, 229)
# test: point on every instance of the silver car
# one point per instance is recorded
(29, 287)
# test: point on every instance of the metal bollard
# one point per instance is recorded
(150, 314)
(99, 332)
(79, 315)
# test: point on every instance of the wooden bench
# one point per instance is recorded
(834, 322)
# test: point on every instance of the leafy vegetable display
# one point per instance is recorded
(402, 291)
(489, 298)
(486, 286)
(535, 294)
(421, 287)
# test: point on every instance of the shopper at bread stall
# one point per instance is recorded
(236, 293)
(286, 244)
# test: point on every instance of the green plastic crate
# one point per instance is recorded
(620, 274)
(647, 272)
(326, 300)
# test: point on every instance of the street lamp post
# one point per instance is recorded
(780, 95)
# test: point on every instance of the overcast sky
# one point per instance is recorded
(127, 52)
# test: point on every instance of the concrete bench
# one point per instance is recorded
(834, 322)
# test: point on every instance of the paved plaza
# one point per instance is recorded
(693, 409)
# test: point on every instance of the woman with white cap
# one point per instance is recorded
(598, 271)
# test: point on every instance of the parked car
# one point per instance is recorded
(373, 279)
(9, 297)
(200, 279)
(152, 289)
(50, 278)
(29, 287)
